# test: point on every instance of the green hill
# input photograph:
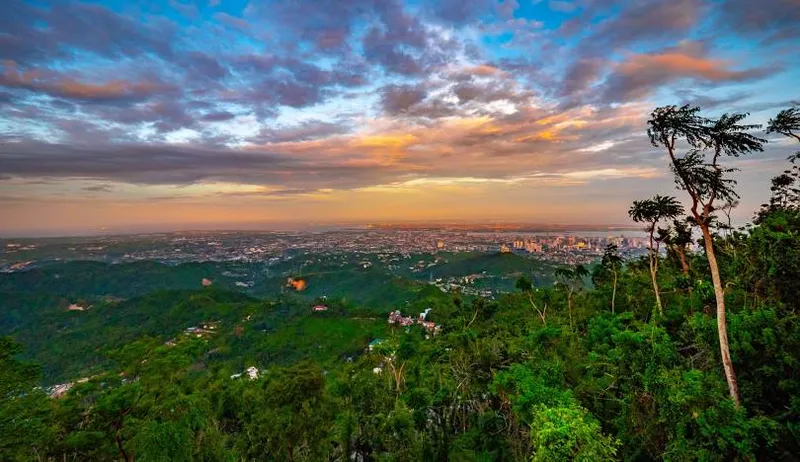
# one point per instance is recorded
(73, 344)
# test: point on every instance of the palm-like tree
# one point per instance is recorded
(787, 123)
(786, 186)
(707, 183)
(651, 212)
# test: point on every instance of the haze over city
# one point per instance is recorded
(121, 116)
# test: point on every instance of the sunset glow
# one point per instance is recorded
(117, 116)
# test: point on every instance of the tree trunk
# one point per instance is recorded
(569, 308)
(682, 255)
(614, 293)
(653, 273)
(722, 328)
(118, 439)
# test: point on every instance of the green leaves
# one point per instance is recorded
(653, 210)
(667, 124)
(727, 136)
(569, 433)
(787, 122)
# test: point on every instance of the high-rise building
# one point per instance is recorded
(532, 247)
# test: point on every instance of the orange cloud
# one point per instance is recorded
(682, 64)
(55, 84)
(395, 141)
(641, 74)
(484, 70)
(109, 90)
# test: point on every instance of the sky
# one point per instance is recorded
(122, 116)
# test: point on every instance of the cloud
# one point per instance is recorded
(460, 12)
(294, 97)
(61, 86)
(304, 131)
(219, 116)
(569, 178)
(317, 155)
(6, 97)
(485, 92)
(162, 164)
(267, 82)
(399, 99)
(506, 8)
(640, 74)
(33, 33)
(201, 64)
(379, 48)
(705, 101)
(645, 20)
(232, 21)
(327, 24)
(99, 188)
(580, 75)
(563, 6)
(772, 20)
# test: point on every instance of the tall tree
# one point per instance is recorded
(612, 263)
(651, 212)
(706, 183)
(571, 279)
(786, 186)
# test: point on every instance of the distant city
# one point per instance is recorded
(557, 246)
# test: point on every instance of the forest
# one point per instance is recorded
(689, 353)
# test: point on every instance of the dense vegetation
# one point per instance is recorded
(632, 368)
(361, 278)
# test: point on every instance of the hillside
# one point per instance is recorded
(73, 344)
(497, 264)
(577, 371)
(552, 370)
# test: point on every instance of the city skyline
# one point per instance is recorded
(119, 117)
(578, 247)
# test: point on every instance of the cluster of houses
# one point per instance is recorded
(252, 373)
(396, 317)
(60, 390)
(77, 307)
(203, 330)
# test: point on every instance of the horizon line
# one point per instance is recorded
(331, 226)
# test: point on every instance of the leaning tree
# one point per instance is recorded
(699, 172)
(787, 123)
(651, 212)
(786, 186)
